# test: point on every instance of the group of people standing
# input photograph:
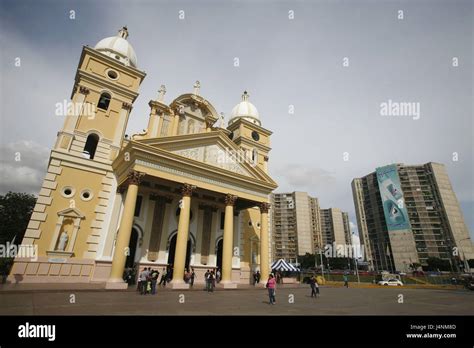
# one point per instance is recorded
(189, 276)
(212, 278)
(147, 280)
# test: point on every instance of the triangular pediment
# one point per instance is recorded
(213, 149)
(71, 212)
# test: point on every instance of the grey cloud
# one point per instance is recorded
(23, 166)
(303, 178)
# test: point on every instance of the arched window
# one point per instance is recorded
(91, 145)
(104, 101)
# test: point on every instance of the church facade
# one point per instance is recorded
(188, 192)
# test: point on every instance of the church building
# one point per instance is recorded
(187, 192)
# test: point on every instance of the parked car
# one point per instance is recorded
(390, 282)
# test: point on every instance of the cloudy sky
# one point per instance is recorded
(334, 62)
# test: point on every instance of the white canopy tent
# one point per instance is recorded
(282, 265)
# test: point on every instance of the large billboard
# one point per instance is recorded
(394, 209)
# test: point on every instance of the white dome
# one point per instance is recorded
(118, 48)
(246, 110)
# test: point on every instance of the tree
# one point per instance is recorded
(435, 264)
(306, 261)
(415, 265)
(340, 263)
(15, 213)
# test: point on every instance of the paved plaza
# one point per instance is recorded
(290, 301)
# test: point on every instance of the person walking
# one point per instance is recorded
(210, 281)
(193, 275)
(316, 286)
(312, 283)
(187, 276)
(163, 278)
(346, 280)
(148, 281)
(206, 279)
(140, 282)
(144, 281)
(271, 285)
(213, 278)
(258, 277)
(154, 279)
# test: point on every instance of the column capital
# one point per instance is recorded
(84, 90)
(127, 106)
(134, 177)
(230, 199)
(187, 190)
(264, 207)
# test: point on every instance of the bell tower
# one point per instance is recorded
(106, 85)
(248, 133)
(73, 210)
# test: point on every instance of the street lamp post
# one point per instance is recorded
(357, 270)
(322, 264)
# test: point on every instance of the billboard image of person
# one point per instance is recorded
(394, 209)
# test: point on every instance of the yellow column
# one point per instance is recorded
(182, 238)
(264, 263)
(125, 230)
(227, 248)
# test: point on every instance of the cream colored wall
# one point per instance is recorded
(78, 180)
(105, 121)
(107, 244)
(453, 211)
(303, 223)
(246, 131)
(249, 232)
(99, 68)
(338, 226)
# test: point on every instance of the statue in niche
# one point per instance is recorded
(63, 239)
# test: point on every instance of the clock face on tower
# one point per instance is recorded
(255, 136)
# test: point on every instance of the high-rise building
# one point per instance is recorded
(283, 226)
(332, 226)
(347, 228)
(299, 226)
(295, 225)
(407, 214)
(316, 223)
